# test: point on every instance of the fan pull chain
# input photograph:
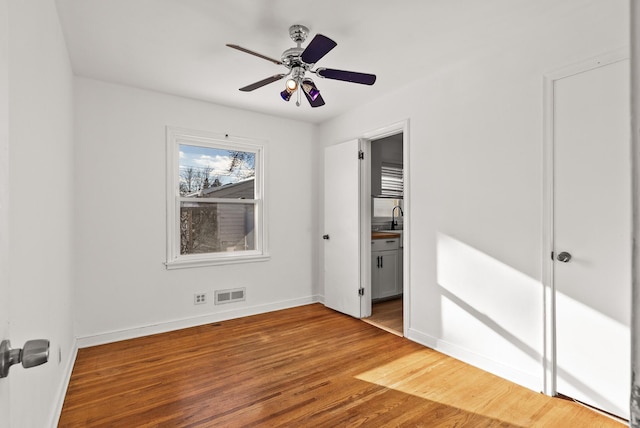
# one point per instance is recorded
(298, 101)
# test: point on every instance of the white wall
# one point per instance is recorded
(123, 287)
(476, 185)
(40, 206)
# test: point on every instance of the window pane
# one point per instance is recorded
(216, 173)
(215, 228)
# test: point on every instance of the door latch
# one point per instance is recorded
(34, 353)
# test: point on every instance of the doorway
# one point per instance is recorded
(387, 219)
(588, 208)
(347, 234)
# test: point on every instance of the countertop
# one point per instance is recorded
(384, 235)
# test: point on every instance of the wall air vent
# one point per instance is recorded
(229, 296)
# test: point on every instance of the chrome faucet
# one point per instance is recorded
(394, 222)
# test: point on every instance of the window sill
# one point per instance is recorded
(184, 263)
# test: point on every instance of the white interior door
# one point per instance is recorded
(5, 417)
(592, 222)
(5, 295)
(342, 265)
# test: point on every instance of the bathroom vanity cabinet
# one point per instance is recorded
(385, 266)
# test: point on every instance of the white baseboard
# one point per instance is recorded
(163, 327)
(535, 383)
(62, 390)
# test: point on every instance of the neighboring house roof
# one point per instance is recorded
(243, 189)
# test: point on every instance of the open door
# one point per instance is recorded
(342, 224)
(5, 417)
(4, 292)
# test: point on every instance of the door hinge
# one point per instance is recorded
(552, 255)
(361, 291)
(360, 154)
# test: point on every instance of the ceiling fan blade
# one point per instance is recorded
(347, 76)
(263, 82)
(319, 47)
(241, 49)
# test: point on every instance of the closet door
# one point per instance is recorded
(592, 230)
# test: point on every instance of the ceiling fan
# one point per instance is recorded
(299, 61)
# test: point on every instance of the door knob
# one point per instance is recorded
(564, 257)
(325, 236)
(34, 353)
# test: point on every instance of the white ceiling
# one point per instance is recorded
(178, 46)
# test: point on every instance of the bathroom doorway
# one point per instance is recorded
(387, 184)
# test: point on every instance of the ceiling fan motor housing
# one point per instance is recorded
(291, 57)
(298, 73)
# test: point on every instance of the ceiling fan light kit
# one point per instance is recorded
(299, 61)
(310, 89)
(286, 94)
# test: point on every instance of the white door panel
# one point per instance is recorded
(592, 222)
(342, 225)
(5, 417)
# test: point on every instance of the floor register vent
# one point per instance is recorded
(229, 296)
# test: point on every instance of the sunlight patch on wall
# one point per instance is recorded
(488, 307)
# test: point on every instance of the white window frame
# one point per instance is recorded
(180, 136)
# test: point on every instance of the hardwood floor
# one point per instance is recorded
(387, 315)
(301, 367)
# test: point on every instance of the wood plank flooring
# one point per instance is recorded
(387, 315)
(301, 367)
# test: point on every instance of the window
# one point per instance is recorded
(215, 206)
(391, 181)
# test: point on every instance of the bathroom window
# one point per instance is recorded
(391, 181)
(215, 204)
